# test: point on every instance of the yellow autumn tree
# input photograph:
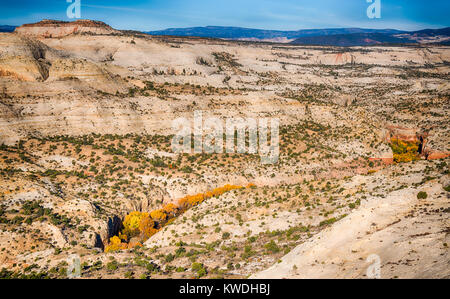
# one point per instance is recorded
(131, 223)
(194, 200)
(123, 237)
(147, 228)
(115, 244)
(170, 210)
(139, 226)
(158, 215)
(404, 151)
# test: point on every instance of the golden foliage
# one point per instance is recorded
(139, 226)
(158, 215)
(193, 200)
(123, 237)
(170, 210)
(170, 221)
(147, 228)
(131, 222)
(404, 151)
(115, 244)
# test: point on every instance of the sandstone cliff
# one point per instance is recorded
(53, 28)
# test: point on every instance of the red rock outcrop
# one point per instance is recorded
(438, 155)
(386, 161)
(53, 28)
(404, 134)
(416, 135)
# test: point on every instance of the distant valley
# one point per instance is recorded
(7, 28)
(322, 37)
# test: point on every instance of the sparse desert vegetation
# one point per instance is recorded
(87, 168)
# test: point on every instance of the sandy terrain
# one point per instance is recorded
(85, 139)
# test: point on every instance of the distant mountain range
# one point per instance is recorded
(354, 39)
(248, 33)
(325, 37)
(321, 37)
(7, 28)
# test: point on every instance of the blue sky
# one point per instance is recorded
(263, 14)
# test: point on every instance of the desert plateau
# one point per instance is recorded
(87, 171)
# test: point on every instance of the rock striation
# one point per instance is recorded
(55, 29)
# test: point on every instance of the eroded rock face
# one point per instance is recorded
(52, 28)
(23, 58)
(27, 60)
(114, 224)
(106, 229)
(429, 143)
(404, 134)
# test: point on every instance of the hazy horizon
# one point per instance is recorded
(230, 26)
(284, 15)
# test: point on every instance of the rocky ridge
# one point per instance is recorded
(55, 29)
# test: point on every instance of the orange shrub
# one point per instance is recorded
(183, 203)
(147, 228)
(134, 243)
(115, 244)
(158, 215)
(170, 209)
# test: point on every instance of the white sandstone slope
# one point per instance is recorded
(406, 233)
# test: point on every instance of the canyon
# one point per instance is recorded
(86, 116)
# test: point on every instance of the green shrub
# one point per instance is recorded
(112, 265)
(199, 268)
(272, 247)
(170, 257)
(422, 195)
